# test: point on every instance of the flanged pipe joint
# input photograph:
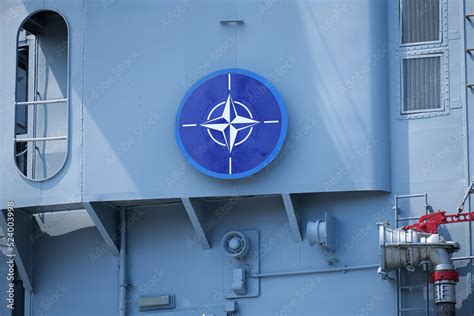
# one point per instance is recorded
(401, 248)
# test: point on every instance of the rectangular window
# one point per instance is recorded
(420, 21)
(421, 84)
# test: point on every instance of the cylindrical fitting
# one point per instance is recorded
(316, 232)
(444, 280)
(401, 248)
(445, 291)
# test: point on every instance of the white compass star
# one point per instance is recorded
(230, 123)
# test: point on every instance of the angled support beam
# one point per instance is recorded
(105, 219)
(196, 210)
(292, 213)
(22, 246)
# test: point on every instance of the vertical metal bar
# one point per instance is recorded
(401, 20)
(426, 202)
(35, 107)
(465, 25)
(399, 294)
(395, 208)
(123, 262)
(426, 267)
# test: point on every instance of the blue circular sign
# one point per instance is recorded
(231, 124)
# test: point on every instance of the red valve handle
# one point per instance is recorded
(429, 223)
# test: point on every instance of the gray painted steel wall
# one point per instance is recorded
(140, 77)
(334, 62)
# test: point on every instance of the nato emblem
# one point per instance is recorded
(231, 124)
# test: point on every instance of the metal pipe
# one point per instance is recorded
(290, 273)
(463, 258)
(123, 262)
(464, 199)
(419, 245)
(407, 249)
(446, 309)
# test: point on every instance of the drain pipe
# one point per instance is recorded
(123, 262)
(400, 248)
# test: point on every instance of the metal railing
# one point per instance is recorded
(37, 102)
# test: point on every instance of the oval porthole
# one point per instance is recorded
(42, 96)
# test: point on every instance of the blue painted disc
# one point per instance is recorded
(231, 124)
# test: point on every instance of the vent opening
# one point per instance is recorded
(422, 84)
(420, 21)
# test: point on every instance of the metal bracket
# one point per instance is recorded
(227, 22)
(196, 210)
(470, 86)
(292, 214)
(469, 16)
(22, 247)
(104, 217)
(470, 51)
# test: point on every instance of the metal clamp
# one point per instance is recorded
(227, 22)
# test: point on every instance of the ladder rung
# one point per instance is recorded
(414, 309)
(38, 139)
(408, 287)
(42, 102)
(408, 196)
(408, 218)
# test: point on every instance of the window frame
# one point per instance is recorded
(65, 101)
(422, 49)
